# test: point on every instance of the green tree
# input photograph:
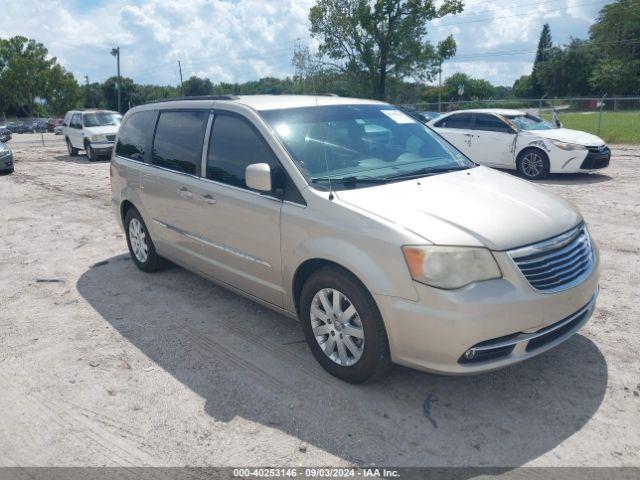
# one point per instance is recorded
(110, 92)
(24, 71)
(543, 54)
(372, 40)
(93, 95)
(614, 37)
(474, 88)
(523, 87)
(195, 86)
(63, 92)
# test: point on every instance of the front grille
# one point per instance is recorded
(559, 263)
(111, 138)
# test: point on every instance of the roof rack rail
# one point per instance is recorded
(197, 97)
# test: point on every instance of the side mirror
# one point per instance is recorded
(258, 177)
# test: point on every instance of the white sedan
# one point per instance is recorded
(513, 139)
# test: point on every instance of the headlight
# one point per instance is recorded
(568, 146)
(98, 138)
(450, 267)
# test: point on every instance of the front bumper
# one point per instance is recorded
(506, 317)
(102, 148)
(596, 159)
(6, 162)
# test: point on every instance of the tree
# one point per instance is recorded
(93, 95)
(24, 71)
(543, 54)
(374, 40)
(110, 92)
(614, 37)
(62, 92)
(474, 88)
(523, 87)
(195, 86)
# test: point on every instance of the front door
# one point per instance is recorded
(239, 228)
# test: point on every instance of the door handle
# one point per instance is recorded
(209, 199)
(185, 192)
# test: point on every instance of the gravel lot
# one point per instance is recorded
(105, 365)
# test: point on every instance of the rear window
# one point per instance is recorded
(460, 120)
(133, 136)
(177, 144)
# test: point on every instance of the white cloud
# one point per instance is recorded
(239, 40)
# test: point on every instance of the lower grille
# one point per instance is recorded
(598, 157)
(502, 347)
(559, 263)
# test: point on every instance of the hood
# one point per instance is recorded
(105, 129)
(569, 136)
(476, 207)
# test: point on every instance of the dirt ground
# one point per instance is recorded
(101, 364)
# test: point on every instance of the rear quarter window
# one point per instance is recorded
(133, 135)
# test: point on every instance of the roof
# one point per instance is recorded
(497, 111)
(275, 102)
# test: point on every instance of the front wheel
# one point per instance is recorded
(533, 164)
(343, 327)
(91, 153)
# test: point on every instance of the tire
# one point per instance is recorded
(533, 164)
(150, 261)
(372, 359)
(91, 154)
(73, 152)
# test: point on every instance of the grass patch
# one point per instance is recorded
(617, 127)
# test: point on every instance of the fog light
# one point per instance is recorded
(469, 354)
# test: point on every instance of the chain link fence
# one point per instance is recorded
(615, 119)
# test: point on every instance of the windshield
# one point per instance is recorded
(353, 145)
(101, 119)
(529, 122)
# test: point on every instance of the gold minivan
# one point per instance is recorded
(385, 241)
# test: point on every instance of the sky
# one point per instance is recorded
(240, 40)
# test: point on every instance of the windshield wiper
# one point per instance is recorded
(351, 180)
(424, 172)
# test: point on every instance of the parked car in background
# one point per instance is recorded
(52, 123)
(5, 134)
(6, 158)
(386, 242)
(93, 131)
(513, 139)
(40, 126)
(23, 127)
(57, 130)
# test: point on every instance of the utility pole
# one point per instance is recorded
(440, 88)
(116, 53)
(180, 68)
(86, 80)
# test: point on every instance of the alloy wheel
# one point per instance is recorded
(337, 327)
(532, 164)
(138, 240)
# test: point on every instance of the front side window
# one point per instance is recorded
(350, 146)
(76, 121)
(458, 120)
(233, 146)
(490, 123)
(101, 119)
(177, 144)
(133, 136)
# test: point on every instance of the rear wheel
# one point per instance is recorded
(141, 247)
(533, 164)
(70, 148)
(343, 326)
